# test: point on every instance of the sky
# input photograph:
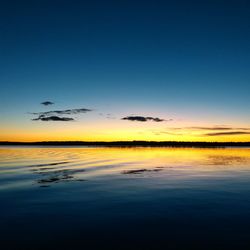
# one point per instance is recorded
(125, 70)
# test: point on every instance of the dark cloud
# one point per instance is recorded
(211, 128)
(63, 112)
(218, 128)
(144, 119)
(52, 118)
(215, 131)
(143, 170)
(47, 103)
(56, 115)
(228, 133)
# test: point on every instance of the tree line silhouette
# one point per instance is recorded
(131, 144)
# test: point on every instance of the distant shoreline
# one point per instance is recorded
(130, 144)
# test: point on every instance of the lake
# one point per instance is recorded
(124, 198)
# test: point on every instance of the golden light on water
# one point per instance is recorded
(99, 161)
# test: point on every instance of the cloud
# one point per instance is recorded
(47, 103)
(110, 116)
(204, 131)
(211, 128)
(52, 118)
(166, 133)
(63, 112)
(227, 133)
(55, 115)
(144, 119)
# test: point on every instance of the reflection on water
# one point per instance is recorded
(55, 175)
(138, 171)
(143, 197)
(227, 159)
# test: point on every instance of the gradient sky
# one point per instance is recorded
(187, 62)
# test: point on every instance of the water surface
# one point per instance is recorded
(124, 198)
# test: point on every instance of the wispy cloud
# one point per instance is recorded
(64, 112)
(144, 119)
(217, 128)
(210, 128)
(110, 116)
(166, 133)
(227, 133)
(46, 103)
(56, 115)
(220, 130)
(53, 118)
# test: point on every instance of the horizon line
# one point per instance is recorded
(133, 143)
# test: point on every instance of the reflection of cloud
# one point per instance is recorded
(47, 103)
(227, 133)
(49, 164)
(144, 119)
(52, 118)
(51, 173)
(221, 160)
(143, 170)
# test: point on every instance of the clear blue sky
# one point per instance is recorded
(184, 58)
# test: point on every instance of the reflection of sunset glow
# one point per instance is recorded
(102, 161)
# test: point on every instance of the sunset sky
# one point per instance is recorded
(125, 70)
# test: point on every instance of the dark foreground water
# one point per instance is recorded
(138, 198)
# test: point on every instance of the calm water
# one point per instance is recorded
(138, 198)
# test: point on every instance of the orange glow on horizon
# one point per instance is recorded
(114, 135)
(117, 130)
